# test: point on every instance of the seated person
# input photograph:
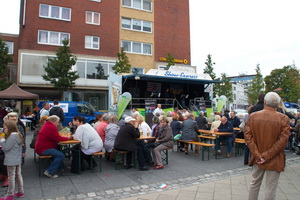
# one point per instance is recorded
(46, 144)
(225, 126)
(37, 130)
(111, 133)
(126, 141)
(90, 143)
(190, 132)
(164, 141)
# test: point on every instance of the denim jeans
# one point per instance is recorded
(57, 159)
(228, 142)
(14, 172)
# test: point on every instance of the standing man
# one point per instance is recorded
(45, 110)
(266, 135)
(234, 119)
(201, 121)
(157, 111)
(58, 111)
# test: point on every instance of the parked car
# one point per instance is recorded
(73, 108)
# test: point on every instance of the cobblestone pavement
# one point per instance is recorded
(186, 187)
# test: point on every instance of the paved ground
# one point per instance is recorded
(184, 173)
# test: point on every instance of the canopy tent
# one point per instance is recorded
(14, 92)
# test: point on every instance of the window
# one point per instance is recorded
(138, 4)
(137, 47)
(137, 25)
(137, 70)
(96, 0)
(91, 42)
(94, 69)
(92, 18)
(52, 38)
(55, 12)
(126, 23)
(10, 46)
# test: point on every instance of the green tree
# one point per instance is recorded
(59, 69)
(122, 65)
(224, 88)
(5, 58)
(286, 81)
(170, 60)
(256, 87)
(209, 69)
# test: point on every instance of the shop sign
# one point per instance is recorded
(178, 74)
(184, 61)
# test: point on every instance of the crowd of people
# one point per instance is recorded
(108, 133)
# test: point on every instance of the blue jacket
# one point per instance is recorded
(227, 127)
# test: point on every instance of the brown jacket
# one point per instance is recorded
(266, 134)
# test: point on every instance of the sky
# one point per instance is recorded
(239, 34)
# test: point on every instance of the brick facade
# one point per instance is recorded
(172, 29)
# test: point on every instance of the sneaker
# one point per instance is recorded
(19, 194)
(228, 155)
(46, 173)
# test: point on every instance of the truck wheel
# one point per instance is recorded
(297, 150)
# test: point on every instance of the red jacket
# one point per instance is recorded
(101, 130)
(48, 138)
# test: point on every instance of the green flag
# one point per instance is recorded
(124, 100)
(221, 102)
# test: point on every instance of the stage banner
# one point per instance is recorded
(115, 90)
(221, 102)
(124, 100)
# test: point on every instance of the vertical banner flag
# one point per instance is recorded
(124, 100)
(115, 90)
(221, 102)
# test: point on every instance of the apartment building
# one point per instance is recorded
(97, 29)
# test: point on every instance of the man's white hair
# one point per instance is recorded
(272, 99)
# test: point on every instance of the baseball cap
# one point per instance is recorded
(129, 119)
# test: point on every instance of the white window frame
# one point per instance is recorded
(49, 12)
(10, 48)
(91, 42)
(131, 25)
(48, 38)
(93, 18)
(96, 0)
(142, 5)
(131, 47)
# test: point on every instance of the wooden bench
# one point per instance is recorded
(165, 155)
(209, 137)
(99, 156)
(122, 154)
(204, 147)
(40, 160)
(239, 145)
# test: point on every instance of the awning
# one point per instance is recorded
(156, 78)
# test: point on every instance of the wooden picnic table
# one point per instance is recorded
(146, 137)
(216, 133)
(236, 129)
(66, 146)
